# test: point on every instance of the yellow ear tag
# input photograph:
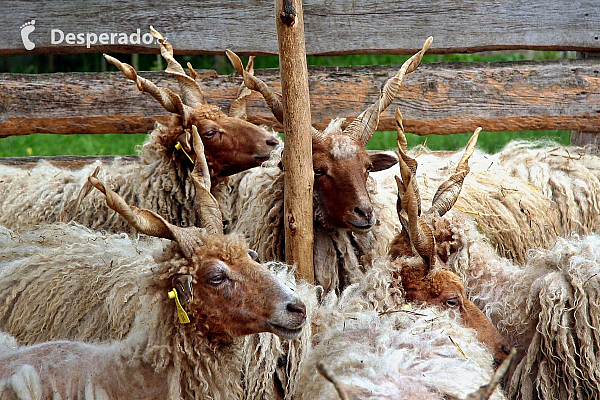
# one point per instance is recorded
(183, 317)
(178, 146)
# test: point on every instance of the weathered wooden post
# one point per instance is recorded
(297, 154)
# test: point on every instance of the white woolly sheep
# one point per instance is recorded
(549, 309)
(523, 197)
(411, 353)
(160, 180)
(348, 223)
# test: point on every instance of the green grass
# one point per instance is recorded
(490, 142)
(81, 145)
(117, 144)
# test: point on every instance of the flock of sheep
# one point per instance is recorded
(163, 277)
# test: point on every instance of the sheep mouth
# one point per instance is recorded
(359, 226)
(262, 158)
(284, 332)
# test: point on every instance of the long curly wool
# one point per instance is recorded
(401, 355)
(567, 175)
(68, 282)
(522, 197)
(76, 284)
(340, 256)
(549, 309)
(157, 182)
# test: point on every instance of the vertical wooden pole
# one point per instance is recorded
(297, 153)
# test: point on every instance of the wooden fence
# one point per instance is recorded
(441, 98)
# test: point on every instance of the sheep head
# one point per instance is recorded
(224, 291)
(340, 162)
(414, 250)
(232, 144)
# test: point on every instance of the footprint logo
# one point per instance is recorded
(26, 29)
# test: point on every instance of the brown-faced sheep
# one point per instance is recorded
(160, 180)
(350, 227)
(548, 307)
(214, 282)
(420, 271)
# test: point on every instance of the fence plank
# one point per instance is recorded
(66, 162)
(590, 138)
(438, 98)
(332, 27)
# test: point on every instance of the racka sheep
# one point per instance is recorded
(547, 307)
(350, 227)
(214, 284)
(160, 180)
(420, 272)
(417, 353)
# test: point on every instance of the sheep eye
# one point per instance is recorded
(452, 303)
(210, 134)
(369, 169)
(319, 172)
(216, 280)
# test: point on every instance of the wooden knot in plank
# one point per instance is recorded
(288, 13)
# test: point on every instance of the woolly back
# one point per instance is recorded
(567, 175)
(548, 309)
(564, 301)
(396, 355)
(46, 276)
(41, 194)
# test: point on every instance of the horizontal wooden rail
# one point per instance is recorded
(332, 27)
(437, 98)
(67, 162)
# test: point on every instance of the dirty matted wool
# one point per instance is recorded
(548, 309)
(402, 355)
(158, 182)
(568, 175)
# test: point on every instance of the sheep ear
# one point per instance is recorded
(253, 254)
(381, 160)
(183, 285)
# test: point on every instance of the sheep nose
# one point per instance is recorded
(297, 307)
(366, 213)
(272, 142)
